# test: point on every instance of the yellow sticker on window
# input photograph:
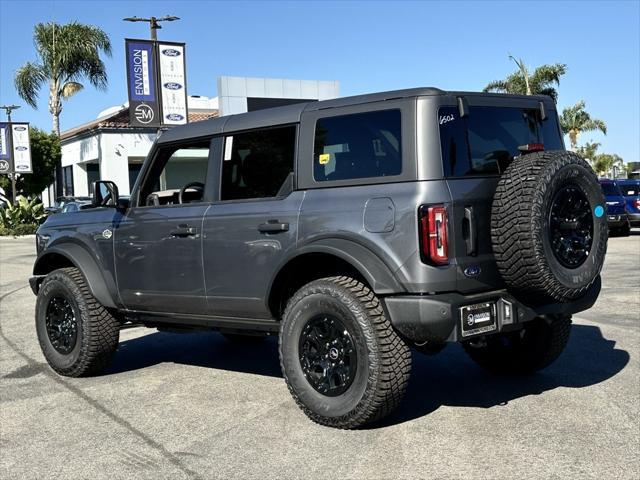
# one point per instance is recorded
(323, 159)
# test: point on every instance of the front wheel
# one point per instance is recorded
(536, 346)
(78, 336)
(343, 363)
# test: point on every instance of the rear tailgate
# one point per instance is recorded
(476, 148)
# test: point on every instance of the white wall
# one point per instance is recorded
(233, 91)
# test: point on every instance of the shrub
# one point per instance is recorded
(24, 216)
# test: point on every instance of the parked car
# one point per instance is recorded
(65, 204)
(354, 229)
(631, 192)
(617, 218)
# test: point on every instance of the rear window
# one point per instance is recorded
(485, 142)
(358, 146)
(610, 189)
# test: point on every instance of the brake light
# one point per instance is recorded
(637, 204)
(531, 147)
(434, 241)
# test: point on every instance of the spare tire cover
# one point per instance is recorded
(549, 227)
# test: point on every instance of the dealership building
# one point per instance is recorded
(110, 148)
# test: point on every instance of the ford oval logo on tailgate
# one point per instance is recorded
(472, 271)
(170, 52)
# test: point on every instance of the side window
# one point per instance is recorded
(358, 146)
(257, 163)
(177, 169)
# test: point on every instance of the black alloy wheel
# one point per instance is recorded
(327, 355)
(570, 226)
(61, 323)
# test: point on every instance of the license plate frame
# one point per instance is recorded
(478, 318)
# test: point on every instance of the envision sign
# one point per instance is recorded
(15, 150)
(156, 83)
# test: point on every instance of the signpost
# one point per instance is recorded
(15, 149)
(156, 83)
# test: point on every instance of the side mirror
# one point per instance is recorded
(105, 194)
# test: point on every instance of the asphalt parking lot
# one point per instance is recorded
(196, 406)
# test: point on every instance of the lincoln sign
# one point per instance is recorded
(156, 83)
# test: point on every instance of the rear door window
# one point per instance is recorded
(485, 142)
(361, 145)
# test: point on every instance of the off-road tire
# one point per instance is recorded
(384, 359)
(98, 331)
(536, 346)
(519, 227)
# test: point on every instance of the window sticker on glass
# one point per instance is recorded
(324, 158)
(228, 148)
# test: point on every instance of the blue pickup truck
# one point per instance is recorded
(631, 192)
(617, 217)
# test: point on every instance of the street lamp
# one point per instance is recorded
(154, 24)
(8, 109)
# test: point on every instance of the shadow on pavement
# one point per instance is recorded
(449, 378)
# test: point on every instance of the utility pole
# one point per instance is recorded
(154, 23)
(8, 109)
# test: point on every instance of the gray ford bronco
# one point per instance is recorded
(355, 229)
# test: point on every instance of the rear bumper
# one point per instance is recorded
(634, 219)
(618, 220)
(436, 318)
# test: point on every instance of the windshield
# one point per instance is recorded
(485, 142)
(610, 190)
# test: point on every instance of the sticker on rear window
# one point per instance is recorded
(446, 118)
(323, 159)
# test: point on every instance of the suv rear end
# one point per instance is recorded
(617, 217)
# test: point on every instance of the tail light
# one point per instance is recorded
(434, 241)
(637, 204)
(531, 147)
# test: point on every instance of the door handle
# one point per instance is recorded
(469, 230)
(273, 226)
(183, 231)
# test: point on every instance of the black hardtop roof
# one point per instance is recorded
(292, 113)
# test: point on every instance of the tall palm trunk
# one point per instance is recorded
(55, 107)
(573, 138)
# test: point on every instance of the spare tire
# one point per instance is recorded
(549, 227)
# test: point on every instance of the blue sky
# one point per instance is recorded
(367, 46)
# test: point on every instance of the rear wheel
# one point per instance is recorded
(78, 336)
(343, 363)
(536, 346)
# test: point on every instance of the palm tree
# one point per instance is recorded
(522, 82)
(575, 120)
(66, 54)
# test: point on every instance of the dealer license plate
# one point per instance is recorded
(478, 318)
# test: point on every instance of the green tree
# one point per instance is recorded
(588, 151)
(522, 82)
(576, 120)
(603, 163)
(66, 55)
(45, 155)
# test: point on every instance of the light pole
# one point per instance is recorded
(154, 23)
(8, 109)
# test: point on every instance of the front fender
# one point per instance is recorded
(102, 288)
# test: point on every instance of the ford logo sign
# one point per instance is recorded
(472, 271)
(21, 148)
(172, 86)
(22, 167)
(175, 117)
(20, 128)
(171, 52)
